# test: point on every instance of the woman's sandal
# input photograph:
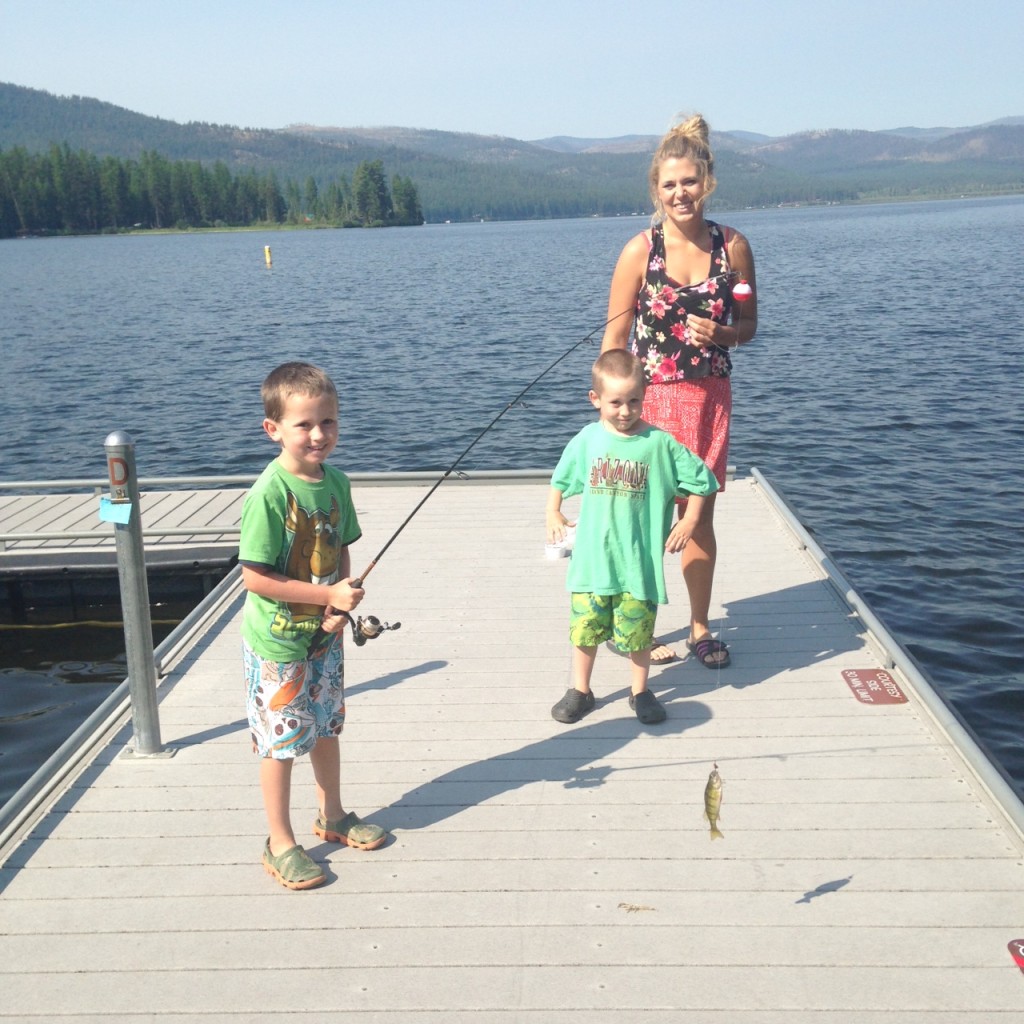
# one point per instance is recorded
(708, 651)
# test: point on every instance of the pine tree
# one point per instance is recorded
(370, 196)
(406, 201)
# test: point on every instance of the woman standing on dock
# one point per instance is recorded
(691, 282)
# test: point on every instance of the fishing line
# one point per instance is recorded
(370, 628)
(451, 469)
(741, 292)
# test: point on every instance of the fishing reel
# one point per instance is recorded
(362, 630)
(369, 628)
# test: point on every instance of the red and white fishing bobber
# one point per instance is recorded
(741, 290)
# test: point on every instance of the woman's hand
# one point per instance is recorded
(705, 332)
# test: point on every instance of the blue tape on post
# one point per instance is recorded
(115, 511)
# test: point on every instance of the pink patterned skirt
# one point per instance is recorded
(696, 413)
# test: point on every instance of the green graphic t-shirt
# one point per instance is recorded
(629, 486)
(298, 529)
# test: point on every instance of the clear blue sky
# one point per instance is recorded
(528, 68)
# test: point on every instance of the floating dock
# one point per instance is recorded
(58, 560)
(871, 871)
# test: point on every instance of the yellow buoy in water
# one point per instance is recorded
(267, 256)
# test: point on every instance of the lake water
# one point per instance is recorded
(881, 395)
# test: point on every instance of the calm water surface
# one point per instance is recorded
(881, 394)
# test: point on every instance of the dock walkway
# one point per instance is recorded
(538, 872)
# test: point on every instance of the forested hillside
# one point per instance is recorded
(63, 191)
(462, 177)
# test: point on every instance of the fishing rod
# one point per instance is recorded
(371, 627)
(476, 440)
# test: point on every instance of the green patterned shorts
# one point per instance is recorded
(622, 618)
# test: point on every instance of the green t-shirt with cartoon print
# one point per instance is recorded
(299, 529)
(629, 484)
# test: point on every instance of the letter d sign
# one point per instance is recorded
(118, 470)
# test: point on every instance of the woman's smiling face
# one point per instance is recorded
(681, 189)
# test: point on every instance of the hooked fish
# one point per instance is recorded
(713, 802)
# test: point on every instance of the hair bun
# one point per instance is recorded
(695, 129)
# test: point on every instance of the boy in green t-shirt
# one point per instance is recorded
(297, 523)
(629, 474)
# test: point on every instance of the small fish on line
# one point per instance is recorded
(713, 802)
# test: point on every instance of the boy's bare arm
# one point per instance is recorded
(277, 587)
(556, 522)
(335, 619)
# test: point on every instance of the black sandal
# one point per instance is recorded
(705, 650)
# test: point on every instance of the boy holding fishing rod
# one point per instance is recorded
(629, 475)
(298, 521)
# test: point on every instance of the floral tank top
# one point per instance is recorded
(661, 338)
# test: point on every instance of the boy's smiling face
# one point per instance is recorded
(620, 404)
(307, 432)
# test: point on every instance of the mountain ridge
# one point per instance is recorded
(462, 176)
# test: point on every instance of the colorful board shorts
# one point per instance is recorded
(626, 620)
(292, 704)
(696, 413)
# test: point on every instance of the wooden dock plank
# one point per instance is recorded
(789, 878)
(481, 945)
(595, 992)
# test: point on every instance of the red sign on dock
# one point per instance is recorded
(1016, 948)
(874, 686)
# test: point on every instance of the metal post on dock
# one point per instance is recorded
(122, 508)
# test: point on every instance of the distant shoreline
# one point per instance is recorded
(275, 227)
